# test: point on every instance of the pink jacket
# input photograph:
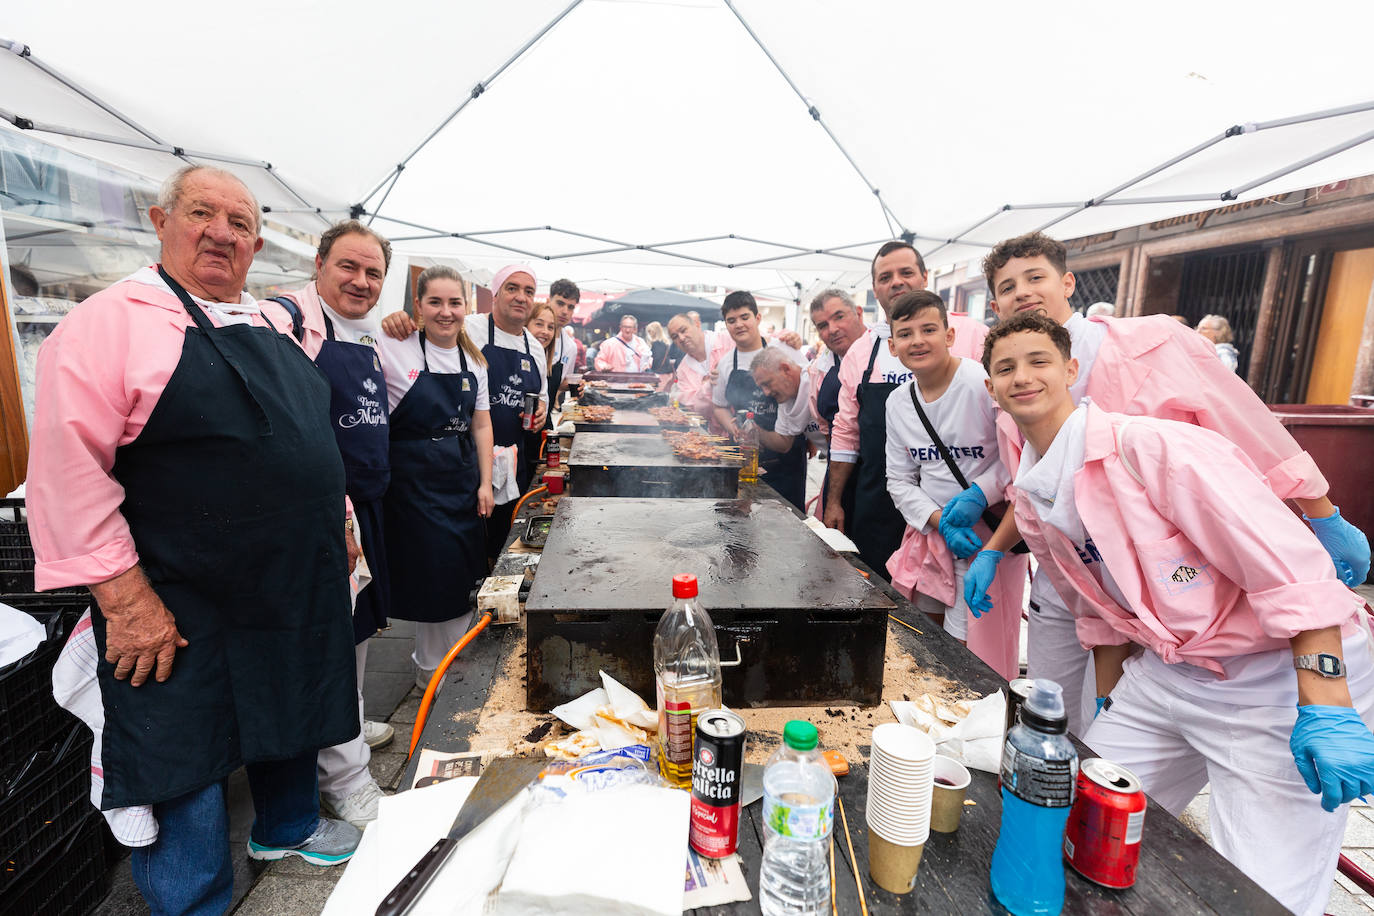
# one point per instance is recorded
(1156, 367)
(816, 371)
(1212, 564)
(312, 314)
(968, 341)
(923, 563)
(614, 355)
(99, 376)
(694, 387)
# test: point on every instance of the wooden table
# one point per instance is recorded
(1179, 872)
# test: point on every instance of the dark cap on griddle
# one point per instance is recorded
(684, 586)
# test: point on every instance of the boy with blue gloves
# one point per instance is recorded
(1199, 593)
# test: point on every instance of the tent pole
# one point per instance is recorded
(1314, 116)
(816, 116)
(473, 94)
(959, 237)
(1300, 164)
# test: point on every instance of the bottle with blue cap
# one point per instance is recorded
(1039, 772)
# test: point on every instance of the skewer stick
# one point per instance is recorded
(858, 879)
(905, 624)
(834, 911)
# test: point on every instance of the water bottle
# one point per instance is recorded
(686, 678)
(798, 810)
(1039, 769)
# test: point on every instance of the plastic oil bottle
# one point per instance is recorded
(1039, 770)
(686, 678)
(749, 446)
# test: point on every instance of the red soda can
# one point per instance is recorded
(717, 781)
(1102, 840)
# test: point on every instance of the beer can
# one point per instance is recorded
(717, 783)
(1017, 693)
(531, 408)
(1102, 840)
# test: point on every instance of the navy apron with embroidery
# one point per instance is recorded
(877, 527)
(510, 376)
(234, 495)
(827, 405)
(435, 538)
(786, 470)
(358, 413)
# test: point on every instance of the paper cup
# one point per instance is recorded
(947, 801)
(902, 743)
(893, 866)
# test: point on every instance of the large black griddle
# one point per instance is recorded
(809, 629)
(640, 465)
(624, 421)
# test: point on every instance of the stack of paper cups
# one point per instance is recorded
(901, 773)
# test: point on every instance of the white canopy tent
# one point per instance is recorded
(754, 143)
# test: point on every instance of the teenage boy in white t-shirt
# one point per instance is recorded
(929, 565)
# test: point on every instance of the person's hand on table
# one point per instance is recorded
(1334, 753)
(978, 580)
(966, 508)
(141, 635)
(398, 325)
(486, 503)
(1347, 545)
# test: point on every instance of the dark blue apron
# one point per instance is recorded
(786, 470)
(234, 495)
(510, 376)
(358, 414)
(827, 405)
(434, 535)
(877, 527)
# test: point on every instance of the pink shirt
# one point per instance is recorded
(844, 438)
(1210, 562)
(99, 376)
(816, 371)
(615, 355)
(1156, 367)
(694, 384)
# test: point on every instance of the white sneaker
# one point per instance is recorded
(377, 734)
(360, 808)
(422, 677)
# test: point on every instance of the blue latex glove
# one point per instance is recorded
(1348, 546)
(965, 509)
(978, 580)
(963, 543)
(1334, 751)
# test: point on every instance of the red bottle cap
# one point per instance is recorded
(684, 586)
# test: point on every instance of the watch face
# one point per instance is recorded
(1330, 665)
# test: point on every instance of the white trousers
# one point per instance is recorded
(1263, 818)
(433, 640)
(343, 768)
(1053, 651)
(956, 618)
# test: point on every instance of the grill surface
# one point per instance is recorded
(624, 421)
(810, 629)
(640, 465)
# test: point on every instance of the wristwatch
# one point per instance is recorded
(1322, 663)
(348, 526)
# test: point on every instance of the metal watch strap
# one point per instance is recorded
(1324, 664)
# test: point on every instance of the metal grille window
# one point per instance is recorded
(1096, 285)
(1228, 285)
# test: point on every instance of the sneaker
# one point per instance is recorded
(360, 808)
(377, 734)
(422, 678)
(332, 843)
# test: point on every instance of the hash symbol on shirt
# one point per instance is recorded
(413, 374)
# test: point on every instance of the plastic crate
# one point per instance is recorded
(16, 549)
(30, 718)
(69, 881)
(45, 800)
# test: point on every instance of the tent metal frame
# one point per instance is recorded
(151, 142)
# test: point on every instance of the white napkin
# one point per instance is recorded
(969, 732)
(603, 853)
(613, 714)
(20, 634)
(834, 537)
(504, 486)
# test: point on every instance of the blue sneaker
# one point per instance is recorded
(332, 843)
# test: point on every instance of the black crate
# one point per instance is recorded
(70, 881)
(30, 718)
(43, 801)
(16, 550)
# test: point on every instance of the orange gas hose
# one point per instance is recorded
(433, 687)
(521, 502)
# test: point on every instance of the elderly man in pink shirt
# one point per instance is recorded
(1199, 593)
(626, 352)
(183, 467)
(702, 351)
